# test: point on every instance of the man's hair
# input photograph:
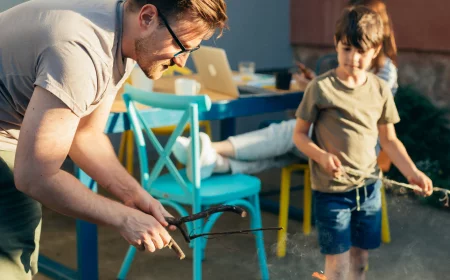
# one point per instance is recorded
(360, 27)
(210, 12)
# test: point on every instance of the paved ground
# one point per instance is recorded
(419, 249)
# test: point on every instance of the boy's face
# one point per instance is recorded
(354, 61)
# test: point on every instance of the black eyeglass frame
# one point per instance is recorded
(184, 50)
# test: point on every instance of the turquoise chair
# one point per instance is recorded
(173, 188)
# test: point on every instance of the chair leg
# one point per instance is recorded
(126, 263)
(130, 151)
(385, 231)
(123, 143)
(284, 211)
(208, 129)
(307, 203)
(198, 255)
(261, 251)
(198, 252)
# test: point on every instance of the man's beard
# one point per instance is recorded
(152, 68)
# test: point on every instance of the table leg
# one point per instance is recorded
(87, 241)
(227, 128)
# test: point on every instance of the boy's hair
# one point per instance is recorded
(212, 13)
(389, 47)
(360, 27)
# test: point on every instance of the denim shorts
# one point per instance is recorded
(340, 225)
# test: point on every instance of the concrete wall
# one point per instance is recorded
(259, 31)
(427, 71)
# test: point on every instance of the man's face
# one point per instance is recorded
(155, 49)
(354, 61)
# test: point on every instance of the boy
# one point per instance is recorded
(350, 108)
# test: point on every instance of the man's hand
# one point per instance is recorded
(331, 164)
(143, 201)
(421, 180)
(144, 232)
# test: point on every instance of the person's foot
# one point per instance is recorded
(180, 149)
(207, 160)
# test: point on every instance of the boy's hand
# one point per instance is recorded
(331, 164)
(421, 180)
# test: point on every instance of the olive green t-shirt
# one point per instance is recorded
(345, 124)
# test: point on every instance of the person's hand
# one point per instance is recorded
(331, 164)
(300, 79)
(143, 231)
(143, 201)
(421, 180)
(307, 73)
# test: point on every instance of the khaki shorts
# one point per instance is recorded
(20, 226)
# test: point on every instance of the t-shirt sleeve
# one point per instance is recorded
(308, 109)
(389, 113)
(69, 72)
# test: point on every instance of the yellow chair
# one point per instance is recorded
(126, 141)
(307, 207)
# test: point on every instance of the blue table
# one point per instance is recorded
(224, 111)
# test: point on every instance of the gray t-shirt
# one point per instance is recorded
(70, 48)
(345, 124)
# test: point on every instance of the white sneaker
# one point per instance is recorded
(180, 148)
(208, 158)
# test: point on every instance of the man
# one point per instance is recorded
(61, 65)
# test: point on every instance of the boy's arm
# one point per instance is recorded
(301, 139)
(399, 156)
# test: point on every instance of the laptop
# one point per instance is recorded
(215, 74)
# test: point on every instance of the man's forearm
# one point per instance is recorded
(63, 193)
(94, 153)
(399, 156)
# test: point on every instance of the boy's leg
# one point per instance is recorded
(20, 226)
(359, 258)
(333, 215)
(365, 230)
(337, 266)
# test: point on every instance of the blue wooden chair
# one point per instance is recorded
(173, 188)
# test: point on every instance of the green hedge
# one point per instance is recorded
(424, 130)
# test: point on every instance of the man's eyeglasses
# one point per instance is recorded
(184, 51)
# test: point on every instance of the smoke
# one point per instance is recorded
(302, 258)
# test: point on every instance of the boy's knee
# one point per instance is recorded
(359, 259)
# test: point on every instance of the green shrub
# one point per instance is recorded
(424, 130)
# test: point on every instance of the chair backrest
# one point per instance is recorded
(170, 109)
